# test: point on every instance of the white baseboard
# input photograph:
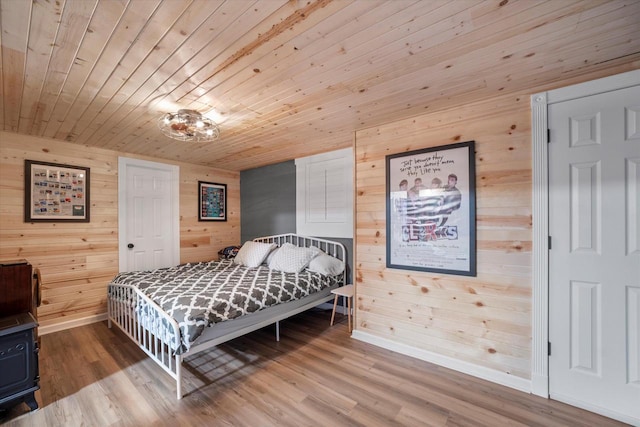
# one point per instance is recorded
(540, 385)
(325, 306)
(448, 362)
(47, 329)
(627, 419)
(339, 309)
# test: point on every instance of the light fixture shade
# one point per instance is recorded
(188, 125)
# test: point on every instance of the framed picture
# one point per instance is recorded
(431, 214)
(55, 192)
(212, 201)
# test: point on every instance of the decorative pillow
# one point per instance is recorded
(292, 259)
(229, 252)
(270, 256)
(251, 254)
(326, 264)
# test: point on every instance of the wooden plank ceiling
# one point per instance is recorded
(285, 79)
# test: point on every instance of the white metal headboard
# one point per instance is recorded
(335, 249)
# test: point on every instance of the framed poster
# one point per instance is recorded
(55, 192)
(212, 201)
(431, 214)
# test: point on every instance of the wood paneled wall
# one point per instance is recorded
(483, 320)
(77, 260)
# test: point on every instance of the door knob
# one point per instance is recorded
(130, 245)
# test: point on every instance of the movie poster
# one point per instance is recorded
(431, 209)
(212, 201)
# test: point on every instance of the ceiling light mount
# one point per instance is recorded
(188, 125)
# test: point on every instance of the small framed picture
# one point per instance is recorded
(55, 192)
(212, 201)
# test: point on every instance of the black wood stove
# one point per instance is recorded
(19, 377)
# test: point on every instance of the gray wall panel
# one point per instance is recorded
(268, 204)
(268, 200)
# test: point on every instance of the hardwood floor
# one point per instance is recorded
(315, 376)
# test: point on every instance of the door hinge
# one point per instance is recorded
(548, 136)
(548, 348)
(549, 242)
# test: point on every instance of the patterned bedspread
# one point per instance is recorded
(201, 294)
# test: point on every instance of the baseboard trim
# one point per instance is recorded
(61, 326)
(48, 329)
(325, 306)
(540, 385)
(627, 419)
(492, 375)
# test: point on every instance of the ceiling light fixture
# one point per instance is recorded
(189, 125)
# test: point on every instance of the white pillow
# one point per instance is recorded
(251, 254)
(292, 259)
(326, 264)
(270, 256)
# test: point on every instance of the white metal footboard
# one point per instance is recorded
(147, 325)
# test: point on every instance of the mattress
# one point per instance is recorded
(202, 294)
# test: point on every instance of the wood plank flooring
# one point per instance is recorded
(315, 376)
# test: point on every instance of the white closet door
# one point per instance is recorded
(594, 261)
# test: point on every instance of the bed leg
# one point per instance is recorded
(179, 377)
(278, 331)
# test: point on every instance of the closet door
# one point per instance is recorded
(594, 261)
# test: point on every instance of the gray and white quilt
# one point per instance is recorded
(201, 294)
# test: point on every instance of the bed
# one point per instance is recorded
(174, 312)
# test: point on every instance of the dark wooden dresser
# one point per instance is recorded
(19, 291)
(19, 299)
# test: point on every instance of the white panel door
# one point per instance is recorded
(149, 224)
(594, 261)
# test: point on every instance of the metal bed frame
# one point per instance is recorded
(159, 335)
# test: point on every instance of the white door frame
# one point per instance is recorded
(539, 137)
(174, 189)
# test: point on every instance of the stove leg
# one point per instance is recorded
(30, 400)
